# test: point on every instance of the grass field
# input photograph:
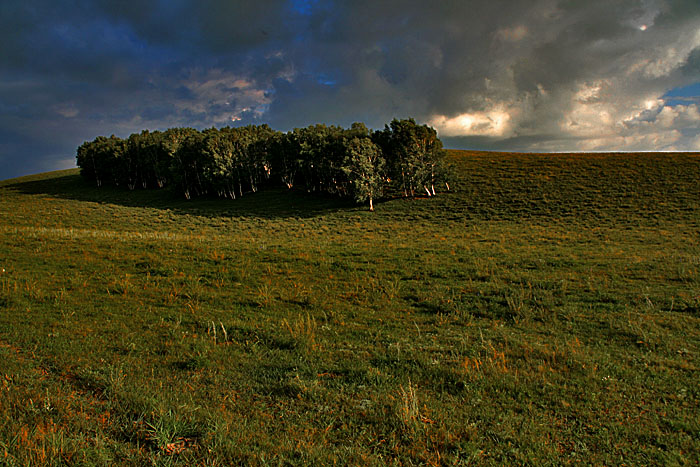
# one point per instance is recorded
(547, 311)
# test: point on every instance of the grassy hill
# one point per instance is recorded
(547, 310)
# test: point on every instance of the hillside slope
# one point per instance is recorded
(546, 310)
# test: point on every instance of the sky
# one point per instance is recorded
(525, 75)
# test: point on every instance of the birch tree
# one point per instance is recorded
(364, 167)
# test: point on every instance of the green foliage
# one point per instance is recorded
(364, 166)
(544, 312)
(102, 160)
(230, 162)
(414, 156)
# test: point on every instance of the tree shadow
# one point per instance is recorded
(269, 203)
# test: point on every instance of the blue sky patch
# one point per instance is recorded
(684, 95)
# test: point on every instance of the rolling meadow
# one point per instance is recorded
(546, 311)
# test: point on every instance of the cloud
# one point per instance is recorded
(218, 97)
(538, 75)
(662, 61)
(494, 123)
(512, 34)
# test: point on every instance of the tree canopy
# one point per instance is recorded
(403, 158)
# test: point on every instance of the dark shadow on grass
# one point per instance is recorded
(270, 203)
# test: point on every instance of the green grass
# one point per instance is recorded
(547, 311)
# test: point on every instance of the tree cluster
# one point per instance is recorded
(403, 158)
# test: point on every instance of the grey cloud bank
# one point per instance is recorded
(540, 75)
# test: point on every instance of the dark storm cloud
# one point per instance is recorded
(531, 75)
